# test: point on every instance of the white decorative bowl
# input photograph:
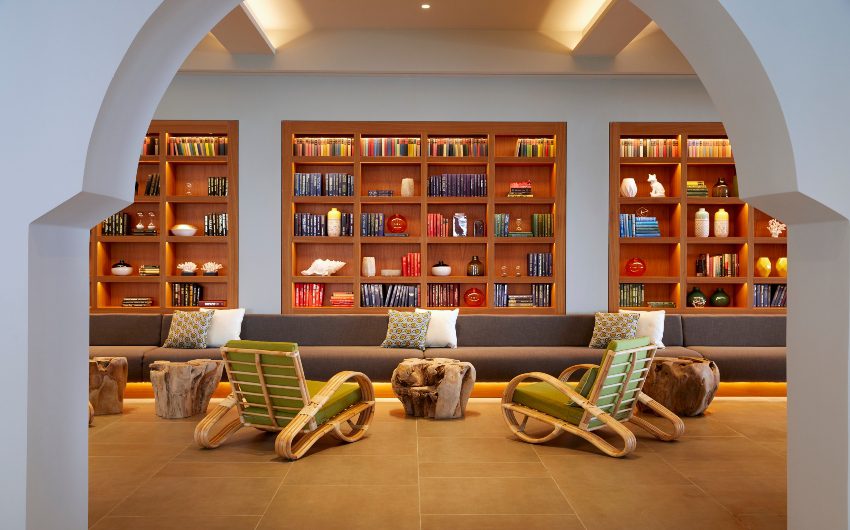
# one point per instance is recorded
(183, 230)
(442, 270)
(390, 272)
(122, 271)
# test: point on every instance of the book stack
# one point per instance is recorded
(393, 295)
(149, 270)
(439, 226)
(632, 225)
(217, 186)
(717, 266)
(342, 299)
(661, 304)
(390, 146)
(540, 264)
(380, 193)
(371, 225)
(152, 185)
(306, 146)
(212, 303)
(457, 185)
(443, 295)
(457, 147)
(520, 300)
(215, 224)
(115, 225)
(631, 295)
(411, 264)
(541, 225)
(197, 146)
(535, 147)
(697, 188)
(649, 147)
(767, 295)
(339, 185)
(521, 189)
(541, 295)
(311, 224)
(309, 294)
(185, 294)
(308, 184)
(709, 147)
(502, 224)
(150, 146)
(136, 301)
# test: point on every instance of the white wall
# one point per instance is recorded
(587, 104)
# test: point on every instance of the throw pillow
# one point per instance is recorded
(612, 326)
(226, 325)
(441, 328)
(650, 324)
(407, 330)
(189, 329)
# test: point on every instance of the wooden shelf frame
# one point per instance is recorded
(674, 251)
(497, 165)
(164, 249)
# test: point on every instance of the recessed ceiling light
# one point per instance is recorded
(426, 6)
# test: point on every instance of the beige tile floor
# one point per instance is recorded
(728, 471)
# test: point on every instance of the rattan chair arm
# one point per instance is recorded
(569, 371)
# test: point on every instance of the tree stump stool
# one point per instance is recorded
(107, 381)
(685, 385)
(181, 389)
(436, 388)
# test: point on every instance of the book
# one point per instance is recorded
(212, 303)
(309, 294)
(443, 295)
(631, 295)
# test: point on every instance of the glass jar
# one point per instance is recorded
(721, 189)
(475, 267)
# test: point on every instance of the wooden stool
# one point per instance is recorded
(181, 390)
(436, 388)
(107, 381)
(685, 385)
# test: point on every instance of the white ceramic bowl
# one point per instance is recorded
(443, 270)
(390, 272)
(122, 271)
(183, 230)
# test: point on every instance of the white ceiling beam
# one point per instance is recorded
(240, 33)
(613, 27)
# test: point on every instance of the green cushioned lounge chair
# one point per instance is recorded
(606, 396)
(271, 393)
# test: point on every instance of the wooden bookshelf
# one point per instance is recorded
(176, 203)
(671, 259)
(501, 167)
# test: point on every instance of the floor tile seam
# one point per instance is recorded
(272, 498)
(560, 490)
(418, 476)
(698, 487)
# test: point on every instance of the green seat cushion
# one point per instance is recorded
(545, 398)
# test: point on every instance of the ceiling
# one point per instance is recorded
(451, 37)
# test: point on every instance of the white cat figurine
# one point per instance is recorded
(657, 189)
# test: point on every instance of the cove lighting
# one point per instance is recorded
(426, 6)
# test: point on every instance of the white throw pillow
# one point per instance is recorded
(226, 325)
(650, 324)
(441, 328)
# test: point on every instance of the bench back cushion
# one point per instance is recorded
(124, 330)
(326, 330)
(728, 330)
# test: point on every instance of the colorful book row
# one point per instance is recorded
(535, 147)
(443, 295)
(631, 295)
(632, 225)
(718, 266)
(329, 185)
(306, 146)
(185, 294)
(457, 185)
(459, 147)
(197, 146)
(649, 147)
(309, 294)
(390, 146)
(709, 147)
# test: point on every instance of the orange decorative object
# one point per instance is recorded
(473, 297)
(635, 267)
(396, 224)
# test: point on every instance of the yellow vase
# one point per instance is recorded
(763, 267)
(782, 267)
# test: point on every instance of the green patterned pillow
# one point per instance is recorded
(189, 329)
(407, 330)
(613, 326)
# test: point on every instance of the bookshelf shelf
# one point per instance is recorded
(673, 261)
(422, 212)
(170, 205)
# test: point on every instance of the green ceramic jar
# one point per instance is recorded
(697, 298)
(720, 298)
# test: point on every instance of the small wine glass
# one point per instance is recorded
(504, 270)
(188, 188)
(519, 224)
(140, 226)
(517, 271)
(151, 225)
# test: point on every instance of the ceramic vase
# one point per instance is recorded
(628, 188)
(763, 267)
(475, 267)
(697, 298)
(407, 187)
(334, 227)
(701, 223)
(721, 223)
(720, 298)
(782, 267)
(368, 266)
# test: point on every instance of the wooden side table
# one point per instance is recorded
(436, 387)
(107, 381)
(183, 389)
(685, 385)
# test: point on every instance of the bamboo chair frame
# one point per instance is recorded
(612, 415)
(300, 430)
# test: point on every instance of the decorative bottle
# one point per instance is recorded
(721, 223)
(475, 267)
(721, 189)
(334, 226)
(701, 223)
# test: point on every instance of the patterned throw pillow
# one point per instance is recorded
(407, 330)
(613, 326)
(189, 329)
